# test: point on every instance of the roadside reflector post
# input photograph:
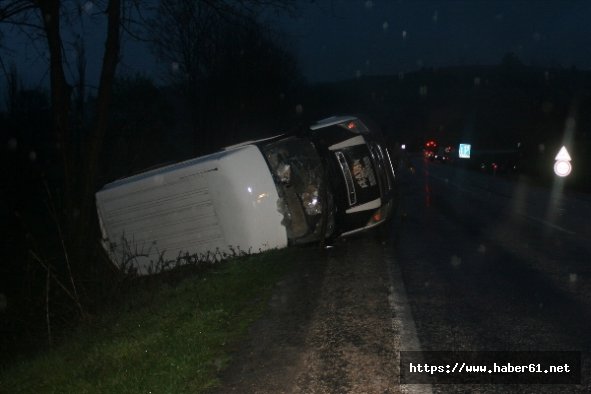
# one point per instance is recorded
(562, 166)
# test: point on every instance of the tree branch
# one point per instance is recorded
(14, 8)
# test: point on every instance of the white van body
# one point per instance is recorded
(213, 205)
(254, 196)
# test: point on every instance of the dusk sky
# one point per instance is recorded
(341, 39)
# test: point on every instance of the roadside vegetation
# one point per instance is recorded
(168, 335)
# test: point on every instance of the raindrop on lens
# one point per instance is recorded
(88, 6)
(572, 278)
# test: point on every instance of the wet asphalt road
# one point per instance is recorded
(487, 263)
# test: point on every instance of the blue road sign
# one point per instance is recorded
(464, 151)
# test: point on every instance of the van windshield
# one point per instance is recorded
(303, 200)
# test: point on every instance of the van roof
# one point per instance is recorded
(251, 142)
(190, 162)
(166, 168)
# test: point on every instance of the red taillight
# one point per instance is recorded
(381, 214)
(377, 216)
(351, 125)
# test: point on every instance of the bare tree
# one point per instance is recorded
(51, 13)
(205, 42)
(184, 37)
(13, 86)
(79, 160)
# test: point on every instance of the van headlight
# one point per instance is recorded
(284, 173)
(311, 201)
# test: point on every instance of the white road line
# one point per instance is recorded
(546, 223)
(402, 321)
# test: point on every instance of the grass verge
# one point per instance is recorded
(168, 339)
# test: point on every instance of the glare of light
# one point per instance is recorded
(557, 193)
(261, 196)
(249, 189)
(385, 26)
(562, 168)
(563, 154)
(403, 146)
(404, 34)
